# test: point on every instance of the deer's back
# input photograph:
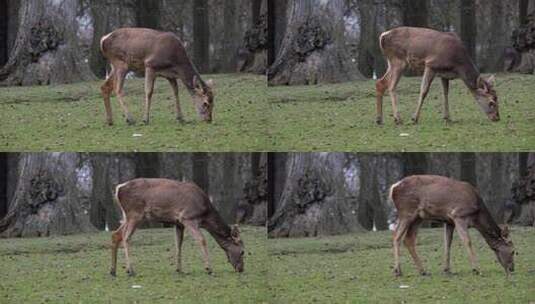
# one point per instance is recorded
(137, 46)
(419, 46)
(163, 199)
(433, 196)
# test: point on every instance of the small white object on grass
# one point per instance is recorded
(137, 135)
(403, 286)
(404, 134)
(136, 286)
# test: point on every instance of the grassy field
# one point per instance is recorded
(75, 269)
(341, 117)
(71, 118)
(357, 268)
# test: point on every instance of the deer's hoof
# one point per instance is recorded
(425, 273)
(446, 271)
(476, 271)
(209, 271)
(398, 121)
(180, 119)
(109, 123)
(131, 273)
(447, 120)
(414, 119)
(379, 121)
(145, 121)
(113, 273)
(130, 121)
(397, 272)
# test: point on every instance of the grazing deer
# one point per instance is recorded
(156, 54)
(183, 204)
(458, 205)
(436, 54)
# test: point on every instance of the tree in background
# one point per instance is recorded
(201, 36)
(46, 48)
(313, 49)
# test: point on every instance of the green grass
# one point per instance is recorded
(75, 269)
(71, 118)
(341, 117)
(357, 268)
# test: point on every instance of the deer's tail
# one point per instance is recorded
(382, 40)
(393, 216)
(118, 200)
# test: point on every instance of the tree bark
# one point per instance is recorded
(469, 26)
(46, 50)
(313, 49)
(415, 13)
(253, 56)
(201, 36)
(50, 198)
(148, 13)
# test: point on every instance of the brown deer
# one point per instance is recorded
(458, 205)
(183, 204)
(154, 53)
(436, 54)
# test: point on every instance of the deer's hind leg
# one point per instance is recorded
(427, 79)
(150, 77)
(399, 233)
(107, 89)
(446, 89)
(120, 75)
(396, 69)
(116, 239)
(127, 231)
(410, 243)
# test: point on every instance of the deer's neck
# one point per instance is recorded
(189, 73)
(469, 73)
(219, 230)
(488, 228)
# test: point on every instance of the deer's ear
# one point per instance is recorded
(491, 80)
(505, 231)
(210, 83)
(235, 233)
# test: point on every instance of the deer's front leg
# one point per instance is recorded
(179, 236)
(119, 84)
(174, 86)
(446, 89)
(150, 76)
(427, 79)
(398, 236)
(395, 76)
(199, 237)
(448, 235)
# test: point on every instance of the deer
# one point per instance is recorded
(458, 205)
(153, 53)
(437, 54)
(182, 204)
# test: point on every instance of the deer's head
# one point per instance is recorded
(203, 98)
(235, 251)
(505, 251)
(486, 97)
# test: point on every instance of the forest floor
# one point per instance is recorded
(71, 118)
(357, 268)
(75, 269)
(341, 117)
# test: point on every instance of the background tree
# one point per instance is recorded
(46, 49)
(313, 48)
(201, 34)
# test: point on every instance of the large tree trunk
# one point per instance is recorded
(415, 13)
(51, 197)
(317, 198)
(313, 49)
(469, 26)
(46, 50)
(253, 56)
(201, 36)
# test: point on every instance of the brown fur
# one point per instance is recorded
(183, 204)
(435, 54)
(457, 204)
(156, 54)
